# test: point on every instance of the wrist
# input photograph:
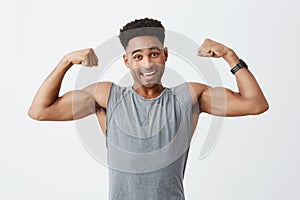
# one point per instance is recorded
(231, 58)
(65, 64)
(241, 64)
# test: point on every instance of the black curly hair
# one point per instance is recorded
(141, 27)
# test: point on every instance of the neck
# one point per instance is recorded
(148, 92)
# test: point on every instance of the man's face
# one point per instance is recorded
(145, 57)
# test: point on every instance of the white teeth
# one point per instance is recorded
(149, 73)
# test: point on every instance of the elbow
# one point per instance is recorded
(261, 108)
(35, 114)
(266, 106)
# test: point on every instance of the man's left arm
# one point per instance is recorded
(249, 100)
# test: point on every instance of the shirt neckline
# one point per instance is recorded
(144, 98)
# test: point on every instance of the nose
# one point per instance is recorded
(146, 61)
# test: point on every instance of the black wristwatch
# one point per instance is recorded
(238, 66)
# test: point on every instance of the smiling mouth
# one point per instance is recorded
(148, 74)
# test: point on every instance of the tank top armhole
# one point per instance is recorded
(180, 92)
(115, 95)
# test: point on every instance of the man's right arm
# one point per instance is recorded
(47, 105)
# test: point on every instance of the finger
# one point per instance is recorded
(89, 58)
(94, 59)
(84, 56)
(95, 62)
(84, 62)
(210, 53)
(204, 53)
(201, 51)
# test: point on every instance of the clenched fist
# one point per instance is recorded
(213, 49)
(210, 48)
(86, 57)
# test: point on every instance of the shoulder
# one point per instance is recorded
(193, 89)
(99, 91)
(197, 87)
(98, 87)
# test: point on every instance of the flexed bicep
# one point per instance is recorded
(71, 106)
(48, 105)
(80, 103)
(222, 101)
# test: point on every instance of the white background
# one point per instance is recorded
(257, 157)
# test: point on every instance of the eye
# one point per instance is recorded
(137, 57)
(154, 54)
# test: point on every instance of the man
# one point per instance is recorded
(147, 126)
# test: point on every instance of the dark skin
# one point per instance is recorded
(145, 57)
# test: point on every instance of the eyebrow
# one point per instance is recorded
(139, 50)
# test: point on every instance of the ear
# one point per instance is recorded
(125, 60)
(166, 53)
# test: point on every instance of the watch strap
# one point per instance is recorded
(238, 66)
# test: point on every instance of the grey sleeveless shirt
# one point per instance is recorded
(147, 143)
